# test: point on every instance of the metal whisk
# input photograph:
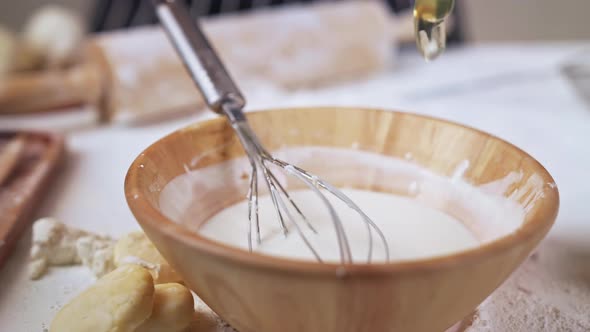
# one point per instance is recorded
(224, 97)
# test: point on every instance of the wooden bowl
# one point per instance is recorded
(257, 293)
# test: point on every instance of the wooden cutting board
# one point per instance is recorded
(27, 162)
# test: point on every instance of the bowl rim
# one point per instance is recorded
(143, 210)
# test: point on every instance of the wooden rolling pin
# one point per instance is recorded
(53, 89)
(295, 46)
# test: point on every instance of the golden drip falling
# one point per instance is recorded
(429, 23)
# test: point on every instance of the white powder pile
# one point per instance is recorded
(549, 292)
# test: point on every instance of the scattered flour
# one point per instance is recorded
(206, 320)
(550, 292)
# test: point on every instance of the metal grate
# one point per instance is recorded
(117, 14)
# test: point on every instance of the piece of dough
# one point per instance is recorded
(173, 309)
(136, 248)
(55, 243)
(55, 34)
(119, 302)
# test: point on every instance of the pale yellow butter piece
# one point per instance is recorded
(173, 309)
(119, 302)
(136, 248)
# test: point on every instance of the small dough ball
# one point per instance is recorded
(8, 49)
(54, 34)
(173, 309)
(136, 248)
(119, 302)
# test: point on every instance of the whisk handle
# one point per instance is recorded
(200, 59)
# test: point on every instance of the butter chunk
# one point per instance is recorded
(118, 302)
(173, 309)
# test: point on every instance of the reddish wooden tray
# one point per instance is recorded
(21, 190)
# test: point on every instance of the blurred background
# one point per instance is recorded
(111, 55)
(102, 76)
(480, 20)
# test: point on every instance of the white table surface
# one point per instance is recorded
(524, 100)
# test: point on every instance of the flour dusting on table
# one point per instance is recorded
(550, 292)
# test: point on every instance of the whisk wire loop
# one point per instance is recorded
(259, 157)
